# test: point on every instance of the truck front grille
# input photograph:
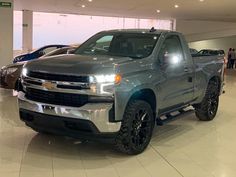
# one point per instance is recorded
(56, 77)
(56, 98)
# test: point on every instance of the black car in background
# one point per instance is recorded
(9, 75)
(37, 53)
(211, 52)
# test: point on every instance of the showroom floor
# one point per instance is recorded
(185, 147)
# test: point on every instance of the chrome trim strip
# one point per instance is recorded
(85, 91)
(96, 113)
(56, 82)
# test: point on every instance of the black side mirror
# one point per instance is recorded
(171, 59)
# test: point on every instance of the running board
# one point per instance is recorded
(173, 116)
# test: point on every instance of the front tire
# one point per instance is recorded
(136, 129)
(207, 109)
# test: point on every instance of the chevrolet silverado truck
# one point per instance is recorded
(117, 86)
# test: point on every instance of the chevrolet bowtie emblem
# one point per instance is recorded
(49, 85)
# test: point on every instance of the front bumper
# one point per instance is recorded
(96, 114)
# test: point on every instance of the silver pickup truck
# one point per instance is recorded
(117, 86)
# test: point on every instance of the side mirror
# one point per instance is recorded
(171, 59)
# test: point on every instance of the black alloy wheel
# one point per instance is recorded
(136, 129)
(208, 108)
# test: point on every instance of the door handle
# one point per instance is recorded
(186, 69)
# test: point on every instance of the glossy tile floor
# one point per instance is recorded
(185, 147)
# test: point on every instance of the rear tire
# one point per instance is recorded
(207, 109)
(136, 129)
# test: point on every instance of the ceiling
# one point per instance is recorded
(216, 10)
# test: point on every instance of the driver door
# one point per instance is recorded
(177, 83)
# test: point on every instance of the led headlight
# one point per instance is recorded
(3, 71)
(111, 78)
(104, 84)
(3, 67)
(24, 72)
(11, 70)
(104, 78)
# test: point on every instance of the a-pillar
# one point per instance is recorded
(6, 32)
(27, 37)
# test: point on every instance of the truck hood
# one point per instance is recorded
(77, 64)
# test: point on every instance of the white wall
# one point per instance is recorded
(17, 30)
(27, 32)
(17, 52)
(49, 28)
(195, 30)
(208, 34)
(220, 43)
(6, 34)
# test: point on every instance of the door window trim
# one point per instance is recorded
(181, 45)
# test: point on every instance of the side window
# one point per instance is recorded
(171, 51)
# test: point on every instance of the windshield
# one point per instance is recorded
(133, 45)
(57, 52)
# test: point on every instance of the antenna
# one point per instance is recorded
(152, 30)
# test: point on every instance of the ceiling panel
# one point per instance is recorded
(188, 9)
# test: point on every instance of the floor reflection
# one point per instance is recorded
(9, 108)
(184, 147)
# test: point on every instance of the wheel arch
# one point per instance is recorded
(217, 80)
(147, 95)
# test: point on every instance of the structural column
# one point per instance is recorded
(174, 23)
(6, 32)
(27, 37)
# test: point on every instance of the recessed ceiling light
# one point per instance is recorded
(176, 6)
(83, 6)
(90, 0)
(158, 11)
(201, 0)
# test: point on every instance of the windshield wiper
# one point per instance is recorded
(133, 57)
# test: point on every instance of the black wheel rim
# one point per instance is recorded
(213, 104)
(141, 129)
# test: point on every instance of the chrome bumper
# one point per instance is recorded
(97, 113)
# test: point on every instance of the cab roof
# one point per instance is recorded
(151, 31)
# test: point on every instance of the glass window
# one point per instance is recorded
(120, 44)
(49, 49)
(104, 43)
(17, 30)
(172, 48)
(96, 46)
(58, 52)
(75, 29)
